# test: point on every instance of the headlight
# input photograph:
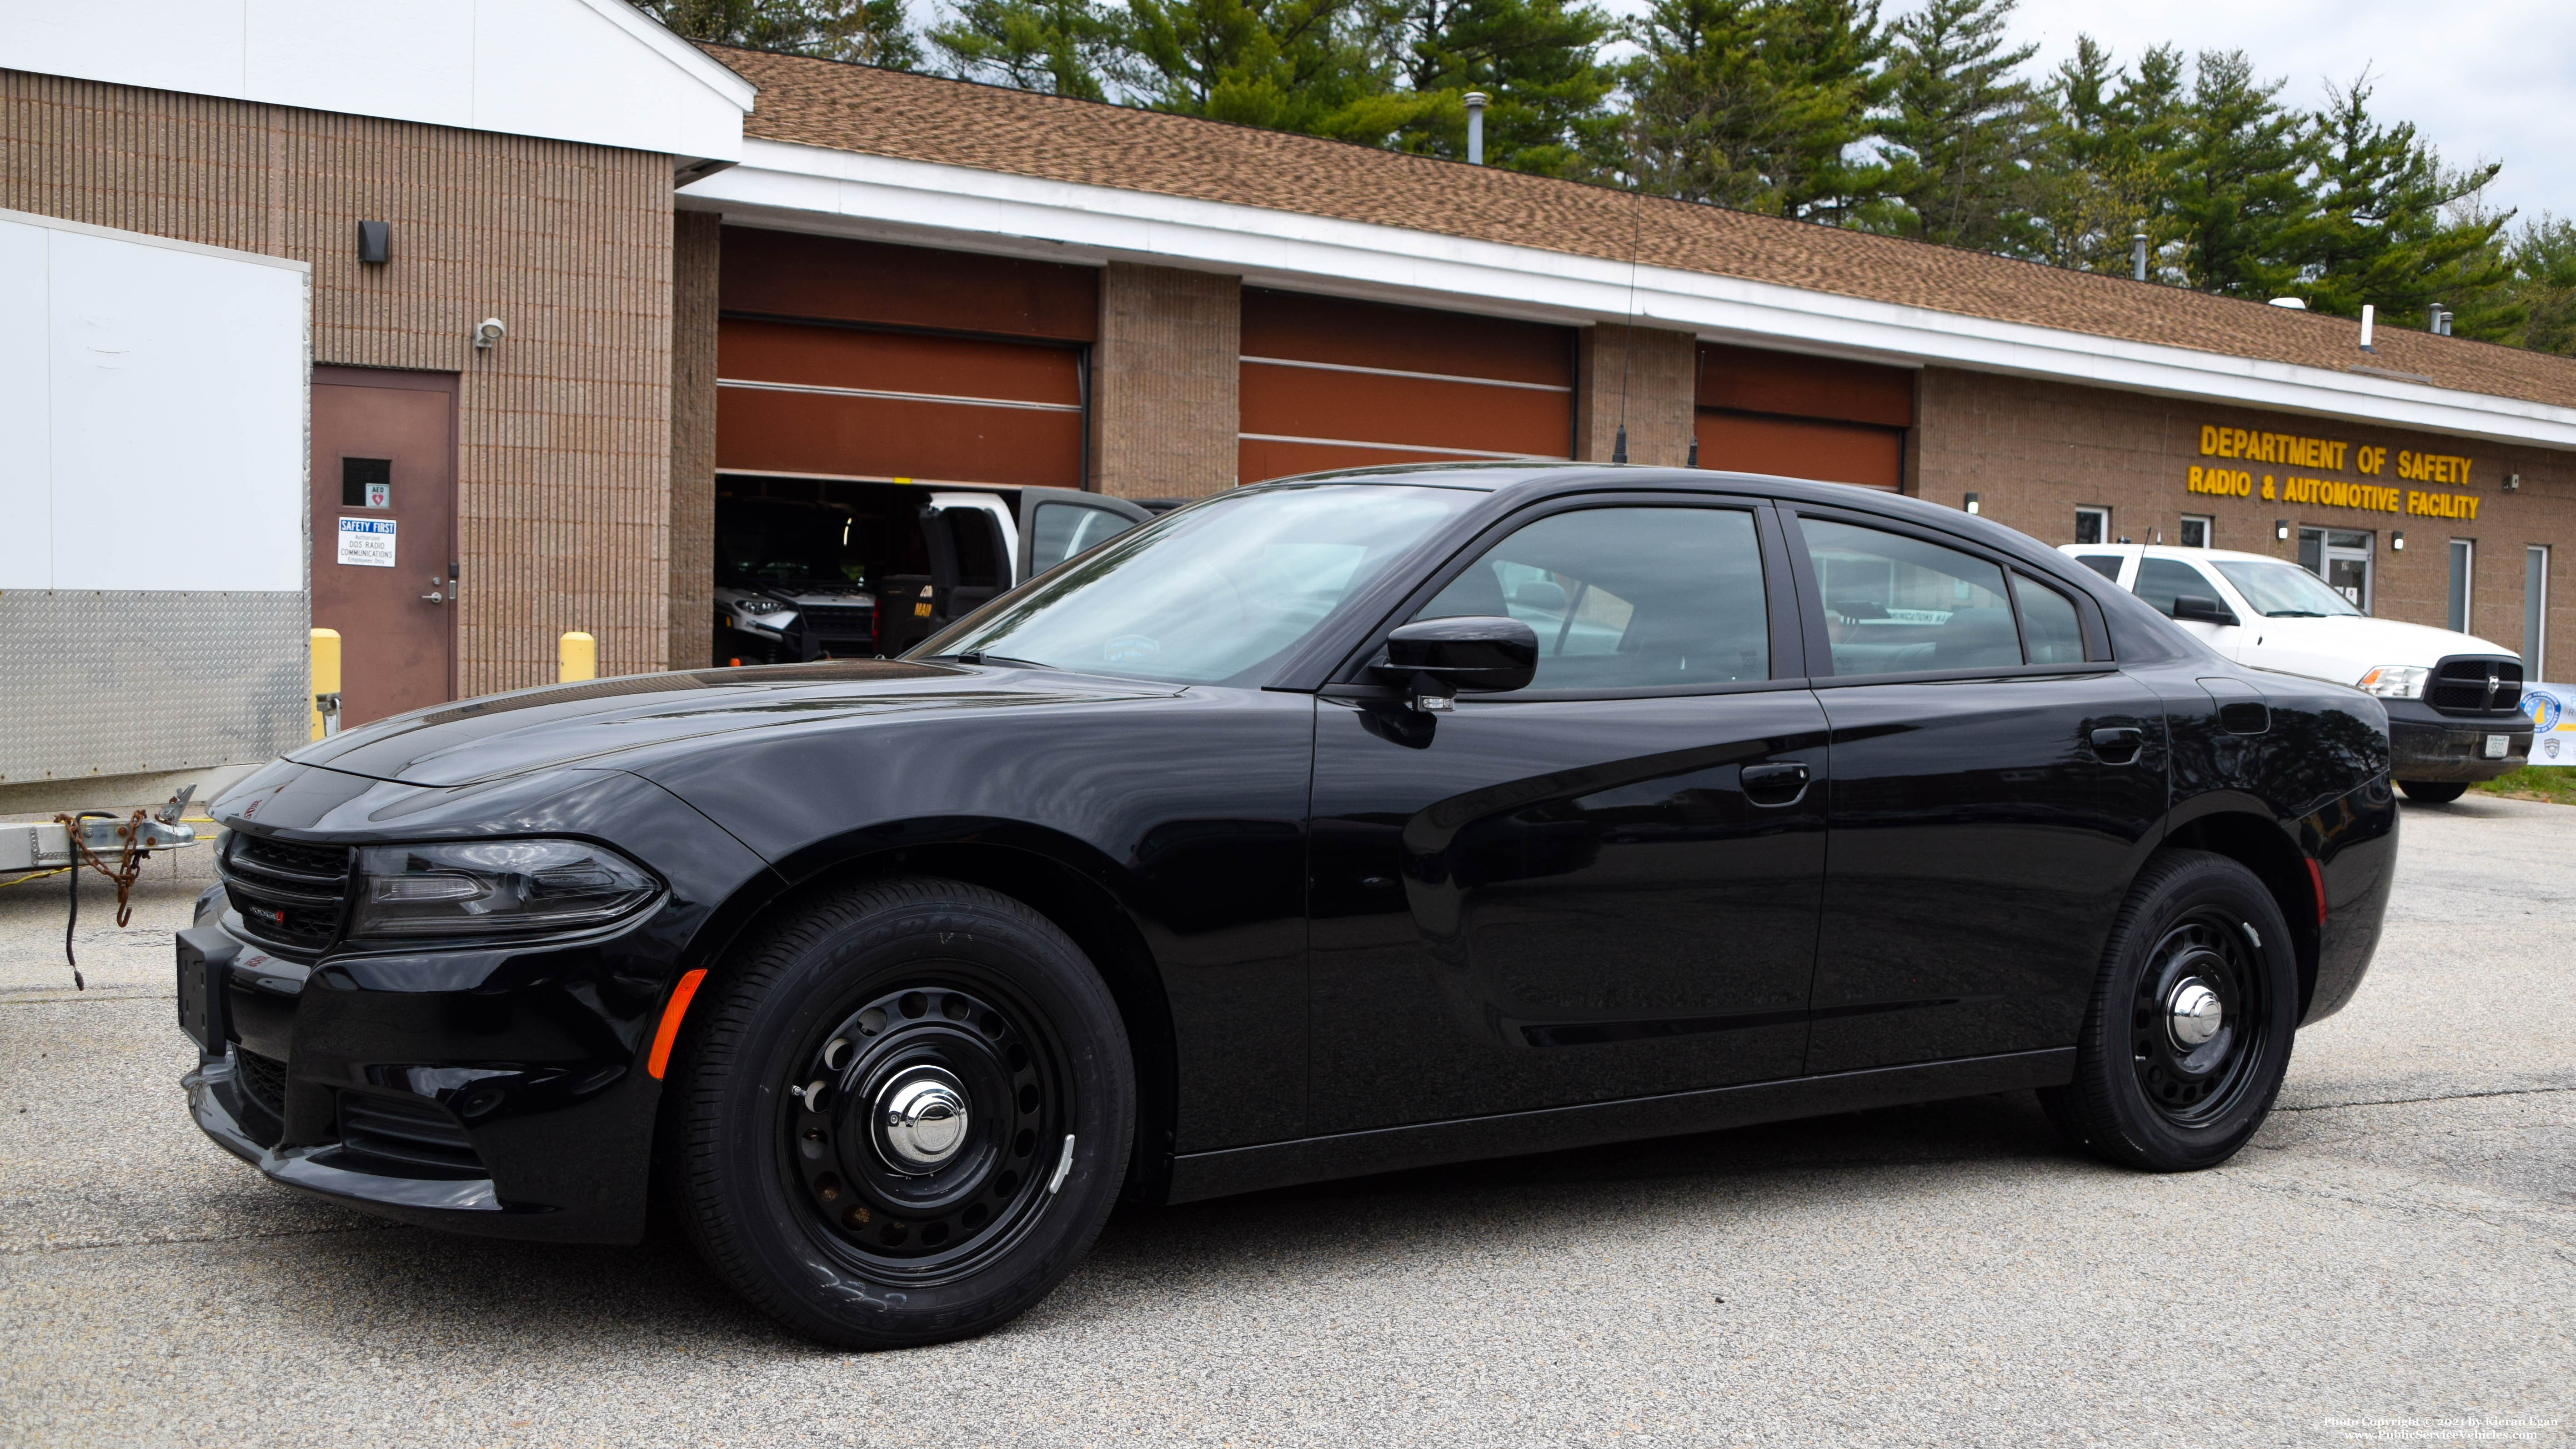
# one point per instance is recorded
(2395, 681)
(757, 606)
(491, 887)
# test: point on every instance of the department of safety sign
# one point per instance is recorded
(367, 541)
(2552, 708)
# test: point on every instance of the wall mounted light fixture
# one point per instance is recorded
(1974, 503)
(2281, 529)
(2397, 540)
(487, 332)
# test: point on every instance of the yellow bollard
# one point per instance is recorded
(576, 658)
(326, 682)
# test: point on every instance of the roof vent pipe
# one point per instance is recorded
(2138, 255)
(2439, 323)
(2369, 320)
(1476, 128)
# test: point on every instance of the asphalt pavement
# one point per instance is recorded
(2393, 1260)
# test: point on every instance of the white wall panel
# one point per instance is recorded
(26, 488)
(173, 387)
(595, 71)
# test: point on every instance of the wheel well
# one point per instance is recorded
(1084, 910)
(2258, 845)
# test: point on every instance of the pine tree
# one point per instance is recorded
(2385, 233)
(1537, 60)
(1753, 104)
(1317, 66)
(1059, 47)
(2543, 255)
(2105, 152)
(2238, 193)
(1962, 129)
(871, 32)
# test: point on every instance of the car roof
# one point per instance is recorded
(2167, 550)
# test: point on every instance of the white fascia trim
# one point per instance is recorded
(697, 64)
(854, 193)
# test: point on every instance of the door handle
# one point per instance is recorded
(435, 594)
(1781, 781)
(2118, 745)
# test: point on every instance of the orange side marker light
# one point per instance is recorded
(2317, 878)
(669, 1031)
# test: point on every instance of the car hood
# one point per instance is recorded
(2343, 648)
(499, 735)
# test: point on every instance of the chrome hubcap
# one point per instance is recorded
(2193, 1013)
(922, 1119)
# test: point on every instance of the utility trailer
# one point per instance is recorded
(154, 604)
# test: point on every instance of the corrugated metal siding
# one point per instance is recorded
(564, 429)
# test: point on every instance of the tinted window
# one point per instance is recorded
(2105, 564)
(1058, 531)
(1895, 604)
(1626, 598)
(2160, 579)
(2048, 626)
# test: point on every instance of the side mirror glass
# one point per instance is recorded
(1479, 654)
(2202, 609)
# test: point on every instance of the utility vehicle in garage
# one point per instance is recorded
(823, 569)
(2454, 700)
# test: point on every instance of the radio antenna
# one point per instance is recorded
(1628, 353)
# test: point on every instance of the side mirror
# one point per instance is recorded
(2202, 609)
(1439, 658)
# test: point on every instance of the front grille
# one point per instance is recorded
(262, 1079)
(407, 1137)
(2460, 687)
(837, 622)
(289, 896)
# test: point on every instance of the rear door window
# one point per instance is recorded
(1897, 605)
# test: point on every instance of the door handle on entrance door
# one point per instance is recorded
(435, 595)
(2118, 746)
(1784, 780)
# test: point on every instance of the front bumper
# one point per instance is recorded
(2424, 744)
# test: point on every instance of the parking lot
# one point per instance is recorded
(2396, 1253)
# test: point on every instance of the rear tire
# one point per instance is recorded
(2433, 792)
(903, 1116)
(2189, 1033)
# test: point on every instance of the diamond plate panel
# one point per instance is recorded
(128, 682)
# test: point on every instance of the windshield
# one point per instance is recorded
(1211, 592)
(2284, 591)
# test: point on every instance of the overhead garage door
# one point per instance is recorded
(842, 402)
(1803, 417)
(1328, 383)
(864, 360)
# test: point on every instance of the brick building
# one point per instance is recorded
(719, 265)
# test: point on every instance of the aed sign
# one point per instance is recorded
(2296, 450)
(367, 541)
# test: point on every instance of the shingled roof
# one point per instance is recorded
(991, 128)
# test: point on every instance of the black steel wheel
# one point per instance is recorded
(2189, 1034)
(903, 1115)
(2433, 792)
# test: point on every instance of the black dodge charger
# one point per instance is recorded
(1330, 826)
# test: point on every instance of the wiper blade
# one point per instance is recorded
(2299, 614)
(978, 656)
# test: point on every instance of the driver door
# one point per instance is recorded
(1606, 885)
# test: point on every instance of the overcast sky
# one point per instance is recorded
(2479, 78)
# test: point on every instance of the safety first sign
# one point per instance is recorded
(2552, 708)
(367, 541)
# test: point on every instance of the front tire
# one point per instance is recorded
(2190, 1029)
(2433, 792)
(904, 1114)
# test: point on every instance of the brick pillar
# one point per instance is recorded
(1164, 382)
(1662, 373)
(695, 248)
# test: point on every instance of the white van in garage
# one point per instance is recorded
(2454, 700)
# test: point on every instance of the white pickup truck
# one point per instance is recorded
(2454, 700)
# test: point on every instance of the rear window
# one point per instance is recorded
(2105, 564)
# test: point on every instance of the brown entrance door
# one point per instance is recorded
(384, 535)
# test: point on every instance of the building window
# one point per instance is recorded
(2535, 612)
(2195, 530)
(2464, 558)
(2092, 525)
(2341, 557)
